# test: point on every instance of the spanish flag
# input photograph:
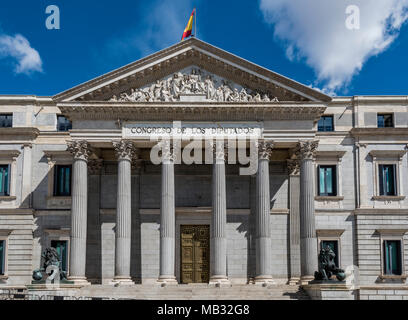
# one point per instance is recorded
(189, 28)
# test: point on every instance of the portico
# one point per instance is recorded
(126, 152)
(162, 115)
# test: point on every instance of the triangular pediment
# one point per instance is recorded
(192, 70)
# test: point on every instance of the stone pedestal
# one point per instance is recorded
(42, 291)
(331, 290)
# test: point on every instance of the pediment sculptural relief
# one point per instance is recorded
(195, 83)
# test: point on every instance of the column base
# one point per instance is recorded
(294, 281)
(167, 281)
(219, 281)
(304, 280)
(79, 281)
(264, 280)
(122, 281)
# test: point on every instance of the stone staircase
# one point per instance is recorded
(195, 292)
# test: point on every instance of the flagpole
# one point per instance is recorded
(195, 22)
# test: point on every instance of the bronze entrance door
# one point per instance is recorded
(195, 253)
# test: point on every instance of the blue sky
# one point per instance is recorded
(303, 40)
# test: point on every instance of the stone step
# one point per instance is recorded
(195, 292)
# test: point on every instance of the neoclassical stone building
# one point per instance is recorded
(77, 174)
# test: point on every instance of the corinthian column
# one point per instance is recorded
(294, 228)
(125, 152)
(81, 151)
(308, 241)
(218, 247)
(263, 211)
(167, 216)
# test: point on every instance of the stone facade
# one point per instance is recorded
(122, 220)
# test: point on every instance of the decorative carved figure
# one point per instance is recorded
(170, 90)
(327, 266)
(50, 258)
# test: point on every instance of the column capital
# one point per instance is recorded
(220, 150)
(95, 166)
(306, 149)
(125, 150)
(81, 149)
(167, 150)
(293, 166)
(265, 149)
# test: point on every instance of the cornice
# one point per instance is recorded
(191, 111)
(381, 99)
(392, 231)
(380, 211)
(387, 153)
(25, 100)
(329, 232)
(379, 131)
(57, 154)
(9, 154)
(330, 153)
(27, 133)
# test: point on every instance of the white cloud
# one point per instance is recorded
(162, 26)
(165, 25)
(316, 31)
(27, 59)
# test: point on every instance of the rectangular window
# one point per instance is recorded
(4, 180)
(2, 256)
(387, 179)
(385, 120)
(6, 120)
(62, 248)
(327, 181)
(334, 245)
(62, 180)
(63, 124)
(392, 257)
(325, 124)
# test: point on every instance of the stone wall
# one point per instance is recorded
(369, 243)
(384, 293)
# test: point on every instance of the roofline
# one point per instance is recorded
(370, 99)
(20, 99)
(192, 42)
